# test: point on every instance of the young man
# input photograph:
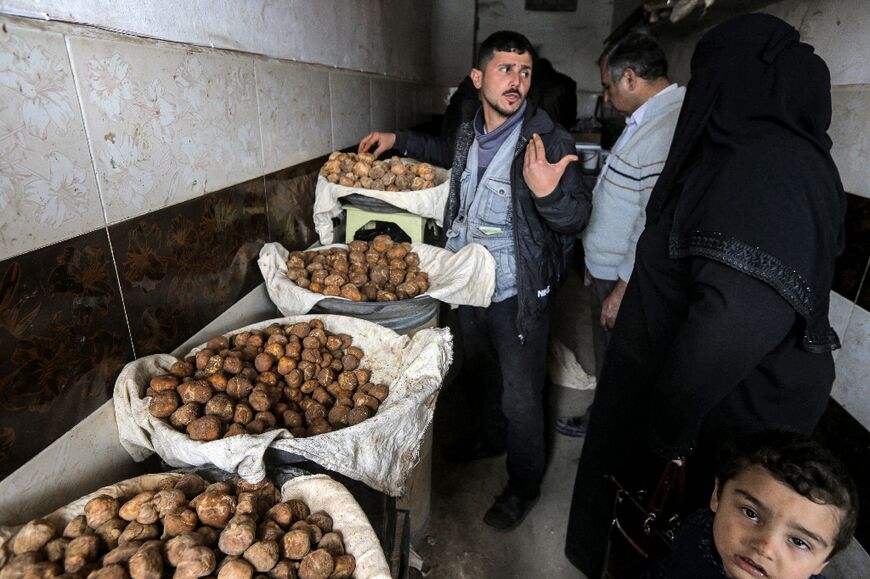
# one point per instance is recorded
(506, 195)
(634, 80)
(783, 506)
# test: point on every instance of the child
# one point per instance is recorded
(781, 508)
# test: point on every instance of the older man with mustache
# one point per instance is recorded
(506, 195)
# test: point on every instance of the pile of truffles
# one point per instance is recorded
(298, 377)
(380, 271)
(364, 172)
(186, 528)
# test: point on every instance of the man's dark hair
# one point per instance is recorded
(804, 465)
(503, 41)
(638, 51)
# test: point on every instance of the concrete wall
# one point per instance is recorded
(453, 23)
(572, 41)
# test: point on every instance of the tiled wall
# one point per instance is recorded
(140, 177)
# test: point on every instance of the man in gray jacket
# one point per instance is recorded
(515, 190)
(634, 80)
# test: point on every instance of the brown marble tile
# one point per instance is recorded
(290, 197)
(183, 265)
(851, 265)
(63, 341)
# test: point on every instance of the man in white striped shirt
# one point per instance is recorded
(634, 80)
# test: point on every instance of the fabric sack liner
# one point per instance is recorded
(380, 452)
(320, 493)
(464, 278)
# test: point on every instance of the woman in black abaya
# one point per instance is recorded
(724, 325)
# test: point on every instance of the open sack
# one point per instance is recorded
(427, 203)
(465, 278)
(379, 452)
(319, 492)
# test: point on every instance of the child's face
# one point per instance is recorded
(763, 528)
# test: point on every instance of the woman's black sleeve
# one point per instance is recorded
(733, 321)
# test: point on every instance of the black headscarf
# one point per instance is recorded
(750, 166)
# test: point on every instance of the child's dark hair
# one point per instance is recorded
(801, 463)
(504, 41)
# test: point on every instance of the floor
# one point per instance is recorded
(456, 544)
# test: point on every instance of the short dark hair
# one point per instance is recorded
(503, 41)
(638, 51)
(801, 463)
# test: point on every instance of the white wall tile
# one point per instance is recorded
(853, 367)
(452, 41)
(165, 124)
(837, 29)
(350, 95)
(405, 108)
(838, 315)
(383, 105)
(294, 112)
(850, 131)
(382, 36)
(48, 192)
(154, 19)
(362, 27)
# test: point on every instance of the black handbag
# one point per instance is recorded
(643, 526)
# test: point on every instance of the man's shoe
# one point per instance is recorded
(571, 425)
(465, 451)
(508, 511)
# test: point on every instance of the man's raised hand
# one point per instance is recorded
(542, 176)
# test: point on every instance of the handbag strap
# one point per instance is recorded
(669, 490)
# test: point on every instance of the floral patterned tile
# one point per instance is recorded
(294, 112)
(290, 198)
(350, 98)
(383, 105)
(165, 124)
(63, 341)
(47, 187)
(183, 265)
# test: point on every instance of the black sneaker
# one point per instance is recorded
(467, 451)
(571, 426)
(508, 511)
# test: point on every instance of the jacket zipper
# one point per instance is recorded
(521, 143)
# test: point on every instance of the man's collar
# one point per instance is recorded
(636, 117)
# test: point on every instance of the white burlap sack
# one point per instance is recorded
(379, 452)
(464, 278)
(427, 203)
(565, 369)
(322, 493)
(319, 492)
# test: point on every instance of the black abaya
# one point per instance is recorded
(723, 328)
